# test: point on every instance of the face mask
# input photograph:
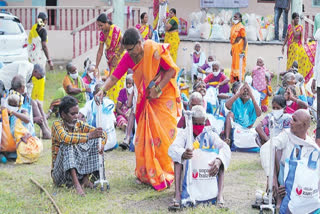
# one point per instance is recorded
(289, 102)
(197, 129)
(13, 108)
(235, 21)
(74, 76)
(91, 75)
(197, 52)
(130, 90)
(216, 73)
(210, 63)
(277, 113)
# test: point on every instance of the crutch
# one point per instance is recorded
(278, 75)
(270, 206)
(188, 115)
(240, 66)
(102, 176)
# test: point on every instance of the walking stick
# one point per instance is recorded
(188, 115)
(102, 177)
(270, 206)
(240, 66)
(278, 75)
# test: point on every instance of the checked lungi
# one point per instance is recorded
(83, 157)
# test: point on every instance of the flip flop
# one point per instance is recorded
(175, 206)
(124, 146)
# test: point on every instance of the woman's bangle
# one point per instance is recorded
(158, 89)
(103, 89)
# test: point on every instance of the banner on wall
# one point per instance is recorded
(224, 3)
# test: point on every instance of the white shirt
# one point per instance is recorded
(23, 68)
(286, 141)
(178, 146)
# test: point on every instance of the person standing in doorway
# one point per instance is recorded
(281, 6)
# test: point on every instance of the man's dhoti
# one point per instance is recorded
(82, 157)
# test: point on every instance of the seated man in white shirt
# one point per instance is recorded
(179, 154)
(295, 195)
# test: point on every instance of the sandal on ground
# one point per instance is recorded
(175, 205)
(124, 146)
(220, 204)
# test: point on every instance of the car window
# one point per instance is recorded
(10, 27)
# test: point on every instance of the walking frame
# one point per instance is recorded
(270, 206)
(103, 182)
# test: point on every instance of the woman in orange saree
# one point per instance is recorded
(144, 29)
(110, 36)
(158, 106)
(239, 44)
(296, 51)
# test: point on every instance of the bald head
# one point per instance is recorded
(300, 123)
(304, 116)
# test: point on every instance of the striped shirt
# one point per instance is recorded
(79, 135)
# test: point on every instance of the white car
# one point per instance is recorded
(13, 39)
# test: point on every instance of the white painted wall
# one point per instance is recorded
(221, 50)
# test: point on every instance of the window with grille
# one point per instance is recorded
(316, 3)
(266, 1)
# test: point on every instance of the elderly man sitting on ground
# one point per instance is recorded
(204, 138)
(74, 148)
(244, 110)
(297, 173)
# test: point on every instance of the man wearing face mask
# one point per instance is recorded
(74, 86)
(179, 154)
(74, 148)
(217, 79)
(281, 119)
(244, 110)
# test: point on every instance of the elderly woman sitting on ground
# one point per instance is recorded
(33, 107)
(244, 110)
(204, 139)
(28, 146)
(198, 59)
(217, 79)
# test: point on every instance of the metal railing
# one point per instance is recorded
(59, 17)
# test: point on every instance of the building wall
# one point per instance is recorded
(184, 7)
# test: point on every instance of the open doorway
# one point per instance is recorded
(52, 14)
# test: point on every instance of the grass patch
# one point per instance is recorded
(19, 195)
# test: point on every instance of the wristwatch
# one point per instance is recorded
(151, 84)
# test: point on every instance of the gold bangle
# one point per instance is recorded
(158, 89)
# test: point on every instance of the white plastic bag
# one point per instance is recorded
(304, 195)
(205, 29)
(201, 187)
(244, 138)
(211, 96)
